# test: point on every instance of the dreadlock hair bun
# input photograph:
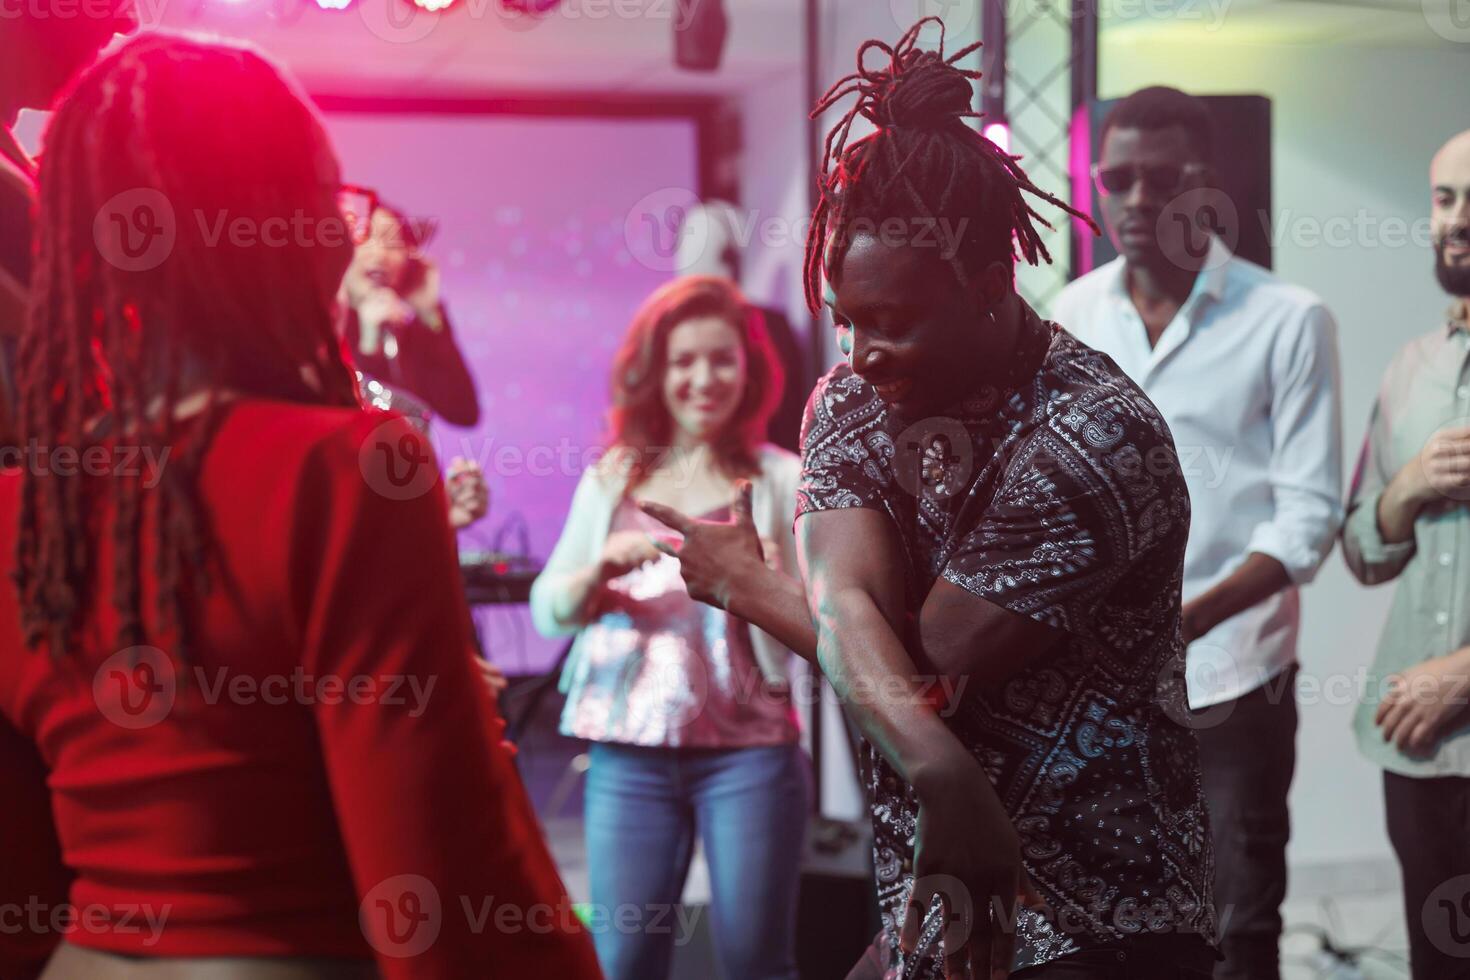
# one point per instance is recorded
(924, 93)
(924, 163)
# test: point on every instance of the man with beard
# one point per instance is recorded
(1244, 368)
(1407, 520)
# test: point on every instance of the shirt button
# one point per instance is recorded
(1463, 391)
(1441, 617)
(1445, 558)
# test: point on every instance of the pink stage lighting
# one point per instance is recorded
(999, 134)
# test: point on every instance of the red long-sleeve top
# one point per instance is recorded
(321, 776)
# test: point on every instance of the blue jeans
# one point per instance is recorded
(644, 807)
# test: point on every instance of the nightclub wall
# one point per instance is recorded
(533, 245)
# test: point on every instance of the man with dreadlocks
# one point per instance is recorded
(987, 501)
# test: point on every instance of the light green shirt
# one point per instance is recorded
(1426, 388)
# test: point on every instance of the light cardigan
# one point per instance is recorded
(773, 508)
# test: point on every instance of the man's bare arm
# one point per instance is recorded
(977, 644)
(853, 567)
(1257, 579)
(965, 849)
(775, 602)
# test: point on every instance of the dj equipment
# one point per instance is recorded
(496, 578)
(837, 909)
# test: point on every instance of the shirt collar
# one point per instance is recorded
(1212, 278)
(1457, 317)
(990, 404)
(1209, 283)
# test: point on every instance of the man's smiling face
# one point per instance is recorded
(915, 334)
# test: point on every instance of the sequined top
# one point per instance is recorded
(1041, 499)
(660, 669)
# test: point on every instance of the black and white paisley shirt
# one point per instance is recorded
(1059, 499)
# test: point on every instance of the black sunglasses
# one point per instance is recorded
(1160, 178)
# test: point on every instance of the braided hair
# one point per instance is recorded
(192, 136)
(923, 160)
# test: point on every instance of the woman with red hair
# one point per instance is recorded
(688, 708)
(250, 741)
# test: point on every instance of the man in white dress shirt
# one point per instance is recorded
(1244, 368)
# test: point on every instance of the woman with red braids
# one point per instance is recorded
(230, 747)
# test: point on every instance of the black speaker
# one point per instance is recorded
(1242, 164)
(700, 29)
(837, 913)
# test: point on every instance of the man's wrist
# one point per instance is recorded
(1409, 491)
(1460, 660)
(941, 769)
(742, 587)
(1199, 617)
